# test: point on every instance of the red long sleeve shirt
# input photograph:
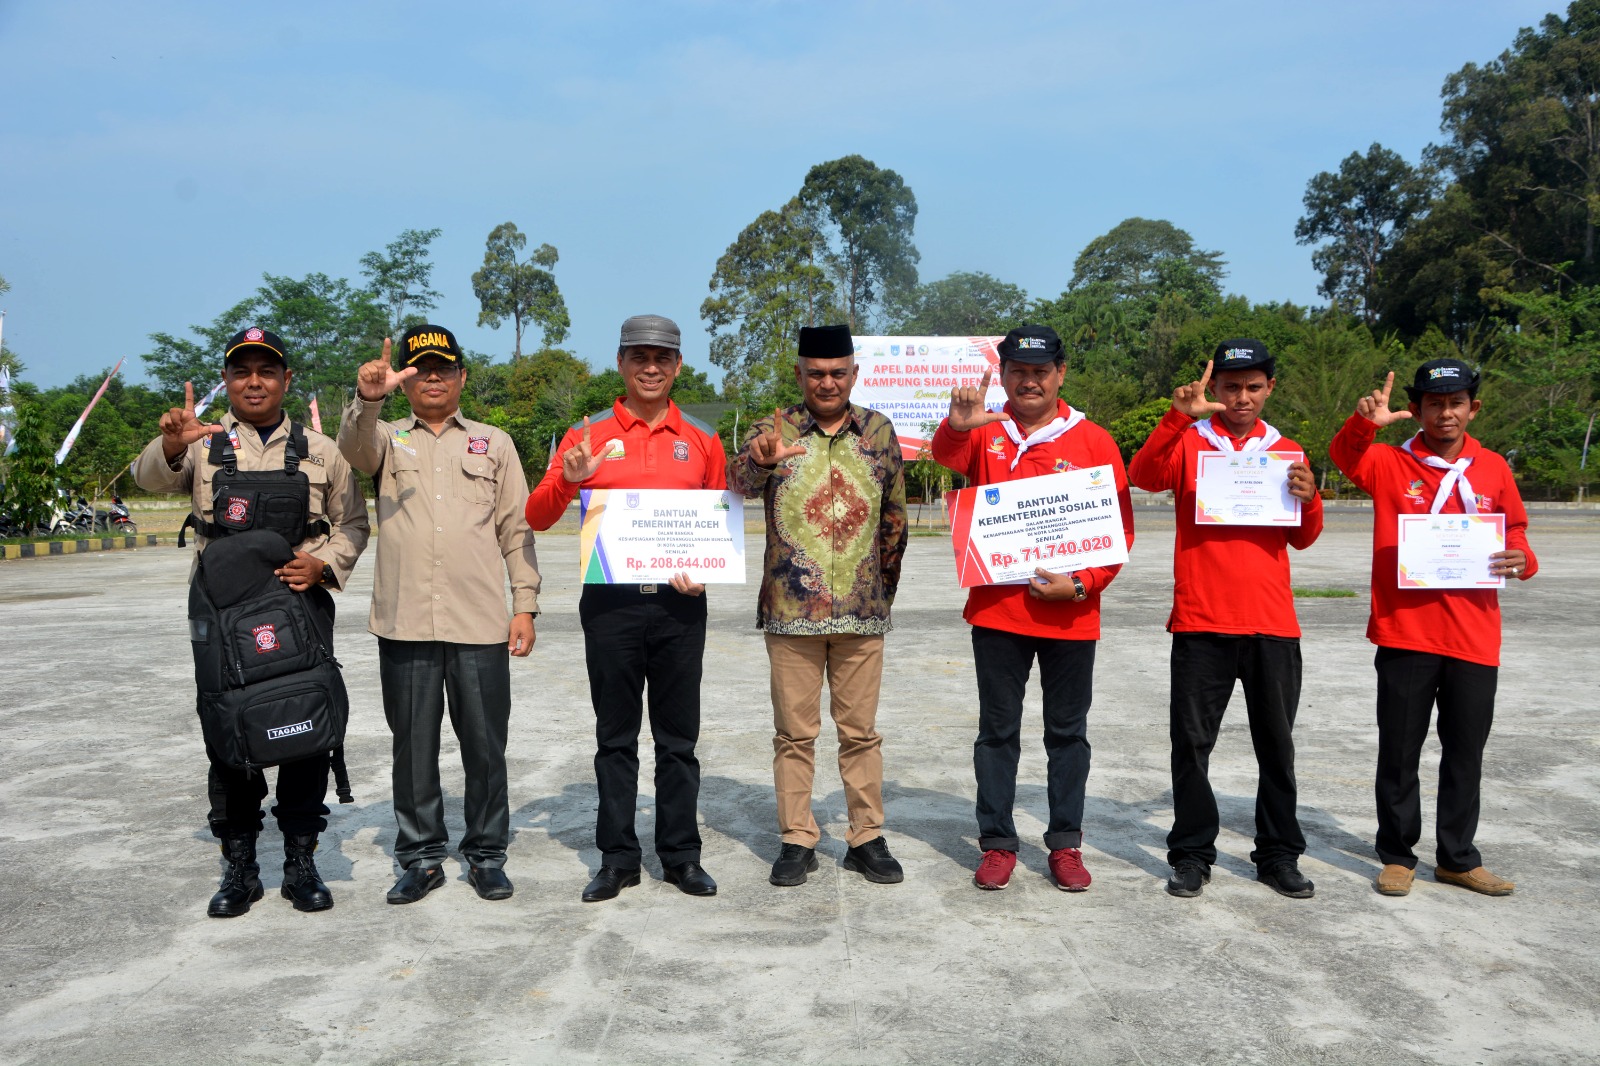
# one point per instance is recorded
(679, 453)
(983, 456)
(1225, 578)
(1460, 623)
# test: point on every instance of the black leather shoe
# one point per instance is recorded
(415, 883)
(1285, 879)
(302, 885)
(491, 882)
(241, 881)
(689, 877)
(794, 862)
(608, 883)
(873, 861)
(1188, 878)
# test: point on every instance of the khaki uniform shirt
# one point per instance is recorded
(335, 495)
(450, 526)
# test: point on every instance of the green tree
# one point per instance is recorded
(1321, 374)
(1130, 256)
(329, 328)
(524, 291)
(1360, 212)
(179, 359)
(399, 277)
(30, 487)
(867, 215)
(964, 304)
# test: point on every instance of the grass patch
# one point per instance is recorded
(1324, 594)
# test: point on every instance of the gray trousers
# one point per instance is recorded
(418, 676)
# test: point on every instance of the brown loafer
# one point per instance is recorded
(1479, 880)
(1395, 880)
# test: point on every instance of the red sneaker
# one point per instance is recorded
(994, 872)
(1066, 865)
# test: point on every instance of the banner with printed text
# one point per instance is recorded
(909, 379)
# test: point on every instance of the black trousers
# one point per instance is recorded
(1410, 683)
(418, 676)
(1066, 672)
(1204, 668)
(631, 640)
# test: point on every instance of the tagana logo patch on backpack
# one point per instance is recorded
(266, 638)
(478, 445)
(238, 509)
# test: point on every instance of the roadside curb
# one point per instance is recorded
(38, 548)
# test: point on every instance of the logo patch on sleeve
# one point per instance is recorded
(680, 451)
(478, 445)
(266, 638)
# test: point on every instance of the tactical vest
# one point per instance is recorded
(279, 500)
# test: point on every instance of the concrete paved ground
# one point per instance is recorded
(105, 868)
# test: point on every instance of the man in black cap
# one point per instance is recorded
(1232, 619)
(1436, 646)
(832, 480)
(256, 375)
(1054, 617)
(450, 494)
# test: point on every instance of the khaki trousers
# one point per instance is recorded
(853, 666)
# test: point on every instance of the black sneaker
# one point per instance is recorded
(873, 861)
(1188, 878)
(794, 862)
(1285, 879)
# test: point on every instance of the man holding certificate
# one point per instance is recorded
(832, 480)
(1244, 496)
(1053, 616)
(635, 635)
(1435, 609)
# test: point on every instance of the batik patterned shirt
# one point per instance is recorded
(836, 524)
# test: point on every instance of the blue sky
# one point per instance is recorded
(157, 158)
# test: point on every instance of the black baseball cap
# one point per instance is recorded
(826, 342)
(419, 341)
(255, 339)
(1243, 353)
(1443, 375)
(1031, 344)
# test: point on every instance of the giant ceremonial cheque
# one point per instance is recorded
(1041, 524)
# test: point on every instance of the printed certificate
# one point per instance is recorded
(1058, 522)
(1450, 551)
(645, 536)
(1245, 489)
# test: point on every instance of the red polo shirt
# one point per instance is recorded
(983, 456)
(680, 452)
(1460, 623)
(1225, 579)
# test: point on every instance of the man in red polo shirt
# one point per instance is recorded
(634, 635)
(1232, 619)
(1054, 617)
(1435, 646)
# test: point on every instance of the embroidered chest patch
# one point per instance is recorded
(478, 445)
(997, 445)
(680, 450)
(615, 449)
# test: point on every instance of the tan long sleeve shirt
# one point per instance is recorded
(335, 495)
(450, 526)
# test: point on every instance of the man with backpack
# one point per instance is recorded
(317, 506)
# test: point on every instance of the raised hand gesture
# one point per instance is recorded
(768, 449)
(377, 379)
(1374, 407)
(579, 463)
(967, 411)
(1191, 399)
(180, 428)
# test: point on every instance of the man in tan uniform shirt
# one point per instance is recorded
(450, 497)
(257, 377)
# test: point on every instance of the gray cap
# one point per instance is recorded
(655, 331)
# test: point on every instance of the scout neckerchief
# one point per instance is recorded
(1457, 477)
(1044, 434)
(1223, 443)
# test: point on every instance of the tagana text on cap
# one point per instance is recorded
(255, 339)
(1442, 375)
(1030, 344)
(1242, 353)
(419, 341)
(826, 342)
(650, 331)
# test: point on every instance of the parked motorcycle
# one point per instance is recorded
(117, 519)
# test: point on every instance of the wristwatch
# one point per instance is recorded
(328, 577)
(1080, 593)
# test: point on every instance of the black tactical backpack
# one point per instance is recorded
(270, 690)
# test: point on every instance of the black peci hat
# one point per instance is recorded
(826, 342)
(1031, 344)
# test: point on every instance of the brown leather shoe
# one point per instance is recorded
(1395, 880)
(1479, 880)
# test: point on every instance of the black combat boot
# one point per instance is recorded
(241, 881)
(302, 885)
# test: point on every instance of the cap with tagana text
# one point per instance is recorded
(419, 341)
(826, 342)
(1031, 344)
(1242, 353)
(254, 339)
(650, 331)
(1442, 375)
